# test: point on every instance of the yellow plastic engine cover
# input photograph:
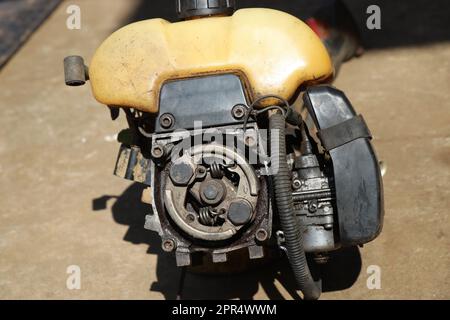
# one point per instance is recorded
(272, 51)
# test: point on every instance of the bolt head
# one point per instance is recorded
(212, 191)
(166, 121)
(240, 212)
(181, 173)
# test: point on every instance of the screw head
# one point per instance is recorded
(261, 235)
(168, 245)
(167, 121)
(157, 151)
(297, 184)
(312, 206)
(238, 112)
(250, 140)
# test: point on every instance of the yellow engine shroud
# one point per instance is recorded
(272, 51)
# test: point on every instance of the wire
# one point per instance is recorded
(252, 112)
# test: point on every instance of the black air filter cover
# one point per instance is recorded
(357, 177)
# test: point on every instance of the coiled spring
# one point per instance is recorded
(216, 170)
(207, 217)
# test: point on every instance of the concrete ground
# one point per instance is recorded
(57, 152)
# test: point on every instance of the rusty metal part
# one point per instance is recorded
(160, 221)
(133, 165)
(176, 195)
(168, 245)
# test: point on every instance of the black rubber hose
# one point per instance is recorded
(284, 201)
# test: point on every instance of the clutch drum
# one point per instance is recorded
(211, 192)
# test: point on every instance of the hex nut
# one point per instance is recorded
(181, 173)
(212, 192)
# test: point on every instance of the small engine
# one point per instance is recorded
(215, 189)
(229, 163)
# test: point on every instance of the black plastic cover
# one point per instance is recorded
(208, 100)
(357, 176)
